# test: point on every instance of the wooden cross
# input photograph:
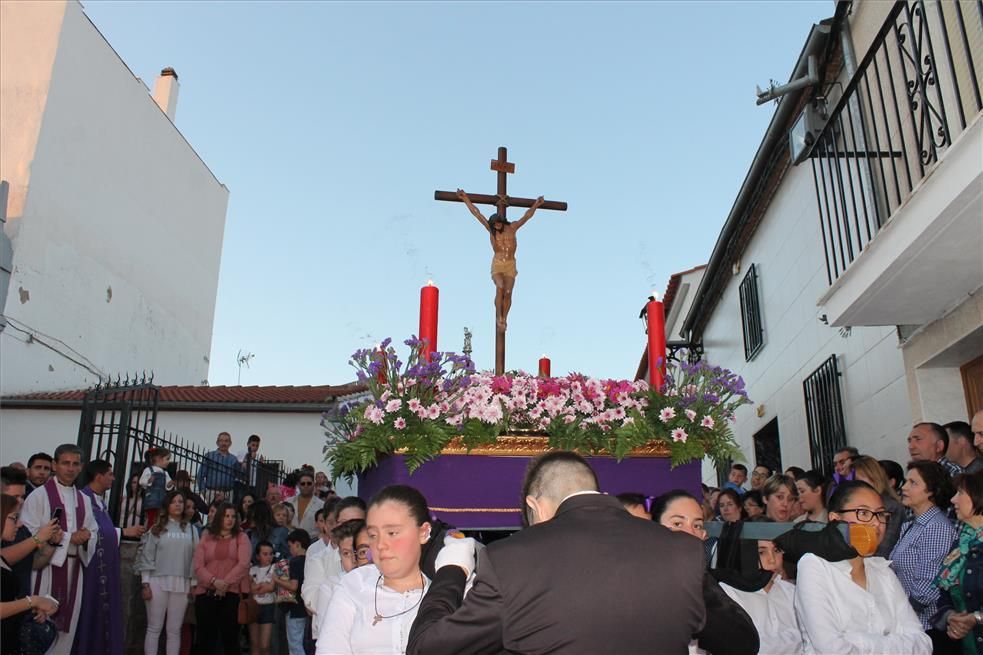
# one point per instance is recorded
(502, 201)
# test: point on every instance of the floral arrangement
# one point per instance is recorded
(416, 409)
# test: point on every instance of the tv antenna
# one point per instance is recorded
(242, 358)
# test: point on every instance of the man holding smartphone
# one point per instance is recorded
(62, 578)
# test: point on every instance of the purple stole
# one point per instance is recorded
(60, 589)
(100, 625)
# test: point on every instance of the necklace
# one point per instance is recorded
(375, 601)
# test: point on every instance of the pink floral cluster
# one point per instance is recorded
(523, 401)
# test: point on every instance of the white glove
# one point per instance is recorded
(459, 551)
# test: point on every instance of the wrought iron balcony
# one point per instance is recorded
(914, 92)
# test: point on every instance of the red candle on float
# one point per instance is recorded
(544, 367)
(656, 319)
(381, 375)
(429, 301)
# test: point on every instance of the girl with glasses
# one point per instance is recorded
(856, 605)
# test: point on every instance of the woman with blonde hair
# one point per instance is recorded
(869, 470)
(778, 494)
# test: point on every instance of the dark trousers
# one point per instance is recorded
(942, 645)
(218, 623)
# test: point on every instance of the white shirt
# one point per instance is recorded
(307, 521)
(838, 616)
(323, 563)
(261, 575)
(348, 626)
(773, 614)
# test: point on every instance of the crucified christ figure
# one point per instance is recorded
(503, 243)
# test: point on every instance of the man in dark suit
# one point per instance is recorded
(586, 577)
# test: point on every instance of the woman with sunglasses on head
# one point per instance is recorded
(373, 608)
(925, 540)
(856, 605)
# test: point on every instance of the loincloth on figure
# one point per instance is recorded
(504, 267)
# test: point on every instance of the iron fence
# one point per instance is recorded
(914, 92)
(119, 424)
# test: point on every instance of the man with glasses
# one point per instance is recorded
(759, 475)
(306, 504)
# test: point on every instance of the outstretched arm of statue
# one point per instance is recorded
(474, 210)
(529, 212)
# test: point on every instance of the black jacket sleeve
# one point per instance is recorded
(446, 624)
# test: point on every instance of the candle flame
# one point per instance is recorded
(544, 355)
(429, 283)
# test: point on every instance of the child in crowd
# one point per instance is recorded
(155, 482)
(297, 618)
(264, 591)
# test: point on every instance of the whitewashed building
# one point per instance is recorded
(287, 418)
(845, 284)
(114, 222)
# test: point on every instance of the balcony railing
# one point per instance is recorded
(914, 92)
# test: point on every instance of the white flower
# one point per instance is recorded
(691, 415)
(393, 405)
(679, 434)
(707, 422)
(399, 423)
(667, 414)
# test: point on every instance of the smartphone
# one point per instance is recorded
(56, 515)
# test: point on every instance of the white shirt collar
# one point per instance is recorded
(578, 493)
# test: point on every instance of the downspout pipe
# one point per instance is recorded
(815, 43)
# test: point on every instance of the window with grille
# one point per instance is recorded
(824, 415)
(751, 314)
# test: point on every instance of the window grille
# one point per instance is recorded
(824, 415)
(751, 314)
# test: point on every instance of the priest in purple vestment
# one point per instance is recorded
(100, 626)
(64, 575)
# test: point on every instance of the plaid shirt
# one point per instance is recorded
(951, 467)
(917, 558)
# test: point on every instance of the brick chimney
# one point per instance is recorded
(165, 92)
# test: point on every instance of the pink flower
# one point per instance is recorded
(667, 414)
(628, 421)
(568, 419)
(373, 414)
(707, 422)
(679, 434)
(393, 405)
(433, 411)
(399, 423)
(413, 404)
(691, 415)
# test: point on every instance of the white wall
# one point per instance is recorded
(117, 248)
(787, 249)
(294, 437)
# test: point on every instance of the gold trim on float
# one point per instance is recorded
(526, 446)
(496, 510)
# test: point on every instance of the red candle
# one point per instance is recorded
(656, 314)
(544, 366)
(429, 300)
(381, 375)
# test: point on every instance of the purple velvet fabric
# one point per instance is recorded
(480, 482)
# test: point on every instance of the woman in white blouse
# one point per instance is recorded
(771, 608)
(856, 605)
(372, 610)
